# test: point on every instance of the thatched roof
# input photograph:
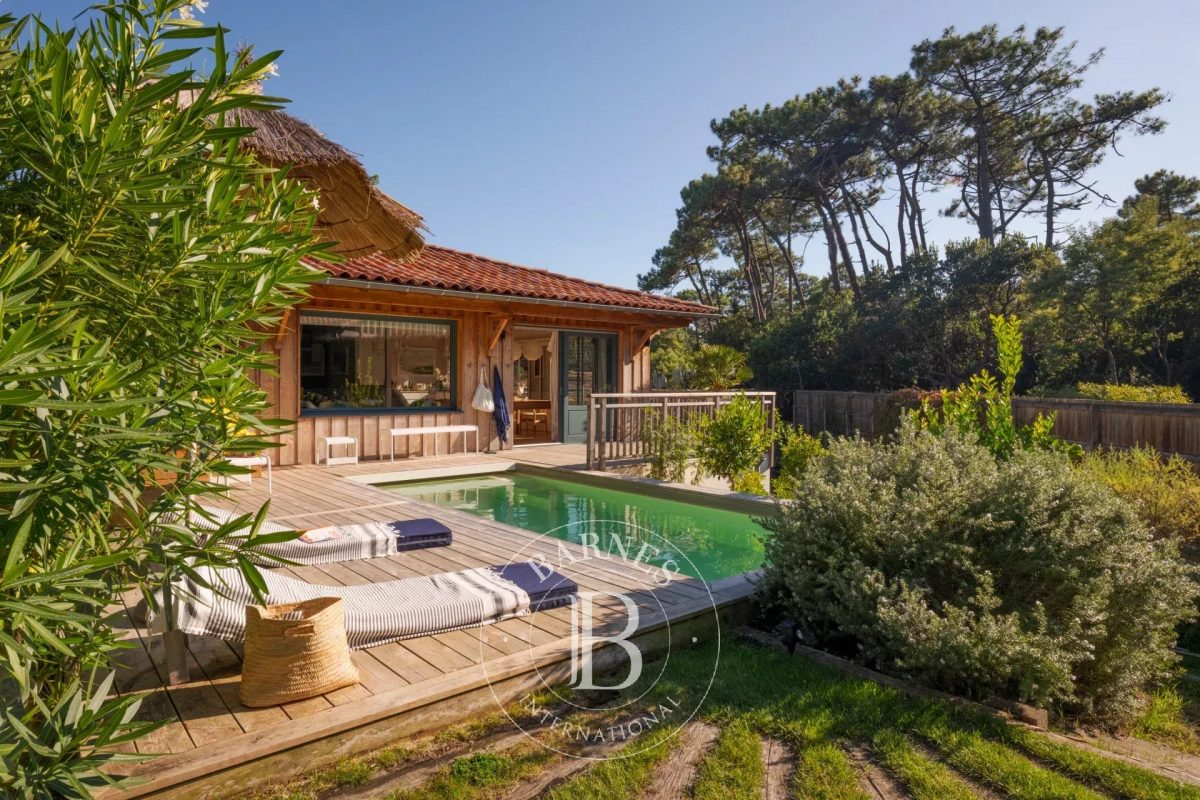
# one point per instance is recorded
(353, 212)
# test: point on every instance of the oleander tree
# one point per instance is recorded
(144, 256)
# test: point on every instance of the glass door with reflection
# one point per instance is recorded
(589, 364)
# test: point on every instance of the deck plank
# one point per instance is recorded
(205, 716)
(197, 705)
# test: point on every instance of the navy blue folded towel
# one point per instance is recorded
(412, 534)
(545, 587)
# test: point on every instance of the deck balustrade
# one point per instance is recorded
(620, 424)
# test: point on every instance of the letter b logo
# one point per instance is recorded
(584, 640)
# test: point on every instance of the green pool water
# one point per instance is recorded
(716, 543)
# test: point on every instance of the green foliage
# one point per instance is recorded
(819, 713)
(671, 443)
(1175, 195)
(1021, 577)
(894, 308)
(621, 777)
(925, 778)
(1125, 393)
(797, 449)
(718, 368)
(1164, 492)
(824, 772)
(143, 258)
(1163, 720)
(733, 442)
(671, 357)
(734, 768)
(1112, 293)
(481, 769)
(900, 405)
(982, 407)
(748, 482)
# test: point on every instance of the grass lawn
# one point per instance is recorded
(834, 726)
(1173, 716)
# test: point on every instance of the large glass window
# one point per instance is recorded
(348, 362)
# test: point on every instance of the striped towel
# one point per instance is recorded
(376, 613)
(339, 543)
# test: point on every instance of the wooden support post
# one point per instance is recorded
(175, 645)
(601, 425)
(1093, 426)
(771, 425)
(591, 433)
(174, 640)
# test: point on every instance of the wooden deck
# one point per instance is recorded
(213, 746)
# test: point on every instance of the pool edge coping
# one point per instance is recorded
(723, 500)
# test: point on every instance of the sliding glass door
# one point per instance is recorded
(588, 363)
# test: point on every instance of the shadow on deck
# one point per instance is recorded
(212, 746)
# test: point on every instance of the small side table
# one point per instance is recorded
(349, 442)
(250, 462)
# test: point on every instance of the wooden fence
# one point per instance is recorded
(1168, 428)
(619, 423)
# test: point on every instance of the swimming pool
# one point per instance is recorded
(719, 543)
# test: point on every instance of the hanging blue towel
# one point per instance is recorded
(501, 412)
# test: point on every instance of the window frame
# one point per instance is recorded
(451, 323)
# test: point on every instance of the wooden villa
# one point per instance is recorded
(401, 333)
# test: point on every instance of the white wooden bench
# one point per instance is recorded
(330, 442)
(249, 462)
(435, 430)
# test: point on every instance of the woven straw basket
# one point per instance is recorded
(295, 651)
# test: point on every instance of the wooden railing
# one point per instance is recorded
(619, 423)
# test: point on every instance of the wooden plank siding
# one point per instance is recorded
(476, 321)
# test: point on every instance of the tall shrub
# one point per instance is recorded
(143, 259)
(671, 443)
(982, 406)
(1127, 393)
(733, 442)
(797, 449)
(1023, 578)
(1165, 492)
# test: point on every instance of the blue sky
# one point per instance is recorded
(558, 134)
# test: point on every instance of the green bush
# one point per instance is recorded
(982, 407)
(733, 442)
(718, 368)
(901, 404)
(144, 259)
(1164, 492)
(1023, 578)
(1126, 393)
(672, 446)
(797, 449)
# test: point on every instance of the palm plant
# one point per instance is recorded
(719, 368)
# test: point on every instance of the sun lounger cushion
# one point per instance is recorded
(545, 587)
(412, 534)
(341, 542)
(376, 613)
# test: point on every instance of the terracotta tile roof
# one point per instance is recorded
(443, 268)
